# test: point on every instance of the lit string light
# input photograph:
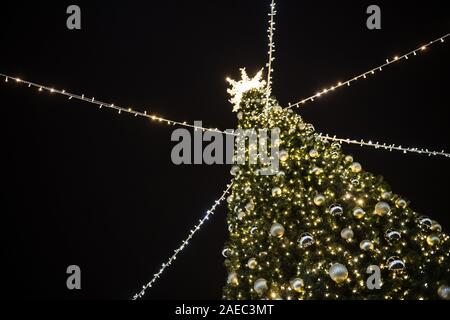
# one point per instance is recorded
(105, 105)
(183, 245)
(385, 146)
(271, 32)
(368, 73)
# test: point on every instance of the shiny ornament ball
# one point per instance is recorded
(382, 208)
(358, 212)
(277, 230)
(386, 195)
(349, 159)
(401, 203)
(276, 192)
(425, 222)
(240, 115)
(338, 272)
(297, 284)
(284, 155)
(234, 170)
(396, 264)
(433, 240)
(252, 263)
(230, 199)
(319, 200)
(313, 153)
(366, 245)
(347, 234)
(306, 240)
(241, 215)
(444, 292)
(436, 227)
(250, 206)
(336, 210)
(392, 235)
(233, 279)
(260, 286)
(356, 167)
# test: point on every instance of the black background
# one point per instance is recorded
(93, 188)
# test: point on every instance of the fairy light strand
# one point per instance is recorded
(390, 147)
(183, 245)
(106, 105)
(366, 74)
(270, 31)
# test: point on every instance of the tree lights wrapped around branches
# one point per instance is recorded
(315, 229)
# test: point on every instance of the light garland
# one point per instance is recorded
(368, 73)
(106, 105)
(183, 245)
(385, 146)
(270, 31)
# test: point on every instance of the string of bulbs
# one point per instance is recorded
(112, 106)
(270, 31)
(183, 245)
(370, 72)
(385, 146)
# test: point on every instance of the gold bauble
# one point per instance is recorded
(252, 263)
(276, 192)
(382, 208)
(319, 200)
(386, 195)
(338, 272)
(358, 212)
(284, 155)
(233, 279)
(349, 159)
(401, 203)
(433, 239)
(277, 230)
(314, 153)
(356, 167)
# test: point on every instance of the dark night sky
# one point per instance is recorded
(92, 188)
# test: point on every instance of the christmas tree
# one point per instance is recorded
(318, 226)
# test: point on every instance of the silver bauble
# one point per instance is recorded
(260, 286)
(444, 292)
(425, 222)
(392, 235)
(396, 264)
(277, 230)
(349, 159)
(240, 115)
(297, 284)
(306, 240)
(336, 210)
(234, 170)
(338, 272)
(366, 245)
(347, 234)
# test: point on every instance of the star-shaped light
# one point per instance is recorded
(238, 88)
